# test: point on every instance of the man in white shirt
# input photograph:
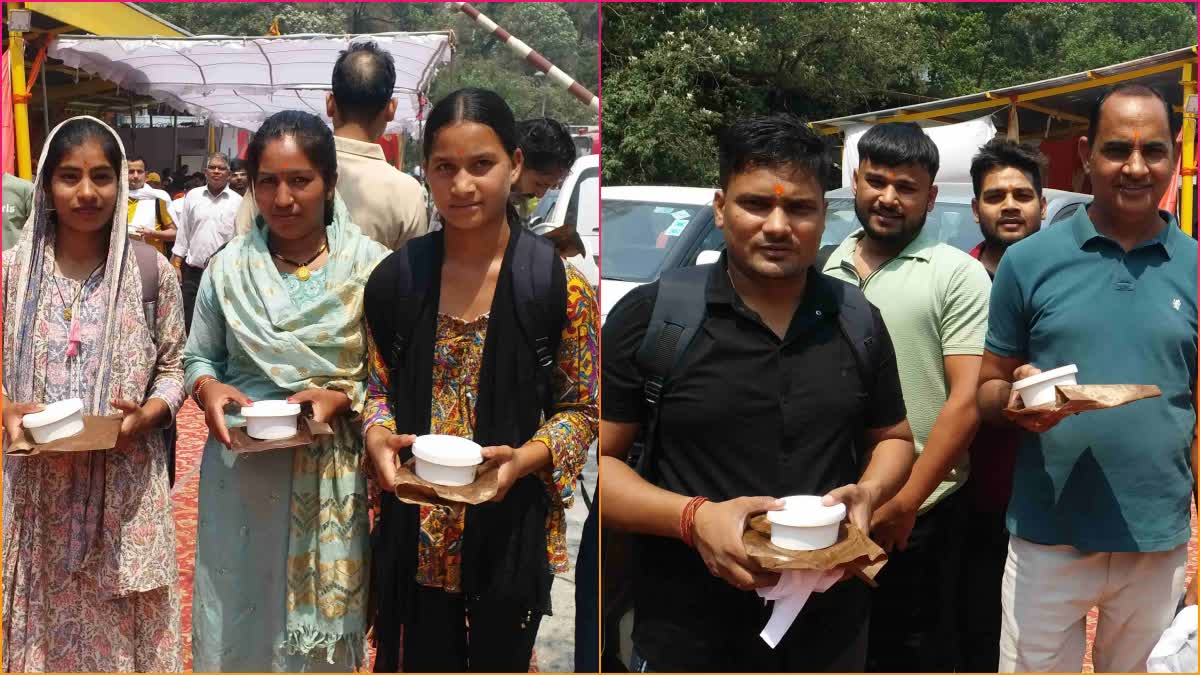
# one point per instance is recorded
(206, 223)
(384, 202)
(149, 219)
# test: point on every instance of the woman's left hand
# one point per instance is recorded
(326, 403)
(510, 468)
(516, 463)
(136, 421)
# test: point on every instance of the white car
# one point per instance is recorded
(651, 229)
(578, 202)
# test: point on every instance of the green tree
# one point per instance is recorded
(675, 73)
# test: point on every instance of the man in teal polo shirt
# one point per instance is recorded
(1100, 508)
(933, 298)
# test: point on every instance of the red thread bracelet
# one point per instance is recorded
(687, 519)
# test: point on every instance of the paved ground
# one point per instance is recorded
(556, 638)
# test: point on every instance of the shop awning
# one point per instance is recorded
(240, 81)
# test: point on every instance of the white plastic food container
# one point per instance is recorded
(447, 460)
(1039, 389)
(58, 420)
(271, 420)
(805, 524)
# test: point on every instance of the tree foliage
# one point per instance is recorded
(565, 33)
(675, 73)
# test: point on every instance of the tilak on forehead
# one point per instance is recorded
(778, 189)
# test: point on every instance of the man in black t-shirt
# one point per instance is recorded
(768, 401)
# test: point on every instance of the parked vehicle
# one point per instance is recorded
(577, 202)
(650, 229)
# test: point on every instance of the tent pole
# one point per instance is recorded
(1187, 203)
(16, 51)
(45, 105)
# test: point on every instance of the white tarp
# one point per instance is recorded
(240, 81)
(957, 144)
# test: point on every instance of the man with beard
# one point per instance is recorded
(148, 209)
(1100, 507)
(1009, 206)
(238, 180)
(934, 299)
(769, 400)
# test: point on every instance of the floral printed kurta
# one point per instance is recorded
(458, 355)
(120, 611)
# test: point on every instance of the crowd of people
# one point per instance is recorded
(306, 272)
(1001, 534)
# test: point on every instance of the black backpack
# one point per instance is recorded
(679, 312)
(147, 262)
(540, 310)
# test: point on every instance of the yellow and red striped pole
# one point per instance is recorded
(532, 57)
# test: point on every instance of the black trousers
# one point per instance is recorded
(829, 635)
(450, 635)
(915, 609)
(190, 286)
(587, 596)
(980, 610)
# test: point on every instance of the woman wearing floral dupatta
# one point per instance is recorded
(281, 562)
(89, 541)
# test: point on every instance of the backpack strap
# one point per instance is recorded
(406, 295)
(540, 306)
(679, 310)
(147, 262)
(856, 322)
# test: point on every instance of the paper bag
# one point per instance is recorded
(306, 431)
(413, 489)
(853, 549)
(99, 433)
(1076, 398)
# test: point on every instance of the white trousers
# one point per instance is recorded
(1048, 591)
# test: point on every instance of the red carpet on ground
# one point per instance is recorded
(193, 433)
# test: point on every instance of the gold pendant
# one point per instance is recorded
(67, 313)
(302, 273)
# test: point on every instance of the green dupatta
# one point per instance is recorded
(322, 345)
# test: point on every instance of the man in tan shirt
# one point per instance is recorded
(384, 202)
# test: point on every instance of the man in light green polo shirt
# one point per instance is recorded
(18, 199)
(934, 300)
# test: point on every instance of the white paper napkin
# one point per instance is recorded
(790, 596)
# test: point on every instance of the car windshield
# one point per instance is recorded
(952, 223)
(638, 236)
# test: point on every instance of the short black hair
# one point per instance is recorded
(136, 158)
(1000, 153)
(1128, 89)
(772, 141)
(897, 144)
(363, 79)
(546, 144)
(237, 165)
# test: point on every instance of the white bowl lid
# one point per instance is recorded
(55, 412)
(271, 409)
(1046, 376)
(447, 450)
(807, 511)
